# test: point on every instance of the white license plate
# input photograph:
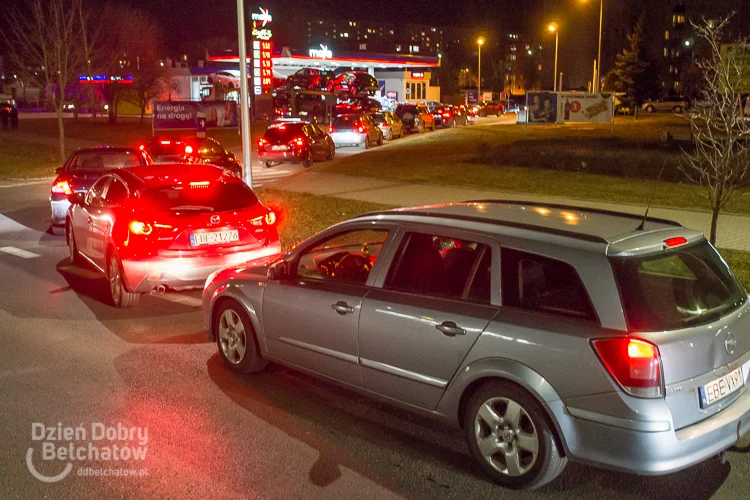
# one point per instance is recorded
(721, 387)
(216, 238)
(279, 148)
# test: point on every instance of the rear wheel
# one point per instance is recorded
(508, 435)
(650, 109)
(367, 142)
(308, 162)
(677, 109)
(235, 338)
(72, 247)
(120, 296)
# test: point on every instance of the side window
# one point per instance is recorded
(541, 284)
(347, 257)
(117, 193)
(95, 194)
(442, 267)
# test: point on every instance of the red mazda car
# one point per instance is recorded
(168, 226)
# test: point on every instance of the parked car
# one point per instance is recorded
(675, 104)
(192, 150)
(82, 169)
(310, 79)
(355, 130)
(444, 117)
(354, 83)
(390, 124)
(295, 142)
(168, 226)
(490, 109)
(228, 78)
(415, 117)
(546, 333)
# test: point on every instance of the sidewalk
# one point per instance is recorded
(733, 233)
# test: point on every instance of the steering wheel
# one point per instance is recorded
(354, 268)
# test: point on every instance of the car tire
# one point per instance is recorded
(495, 416)
(390, 136)
(235, 338)
(267, 164)
(650, 109)
(331, 154)
(677, 109)
(366, 144)
(121, 297)
(70, 237)
(380, 139)
(308, 162)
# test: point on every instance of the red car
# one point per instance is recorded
(354, 82)
(168, 226)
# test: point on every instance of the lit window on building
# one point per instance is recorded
(362, 46)
(666, 35)
(666, 52)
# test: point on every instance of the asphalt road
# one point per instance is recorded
(68, 357)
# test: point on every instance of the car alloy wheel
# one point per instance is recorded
(73, 249)
(232, 337)
(506, 436)
(678, 109)
(120, 296)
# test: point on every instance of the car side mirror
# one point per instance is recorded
(58, 170)
(278, 271)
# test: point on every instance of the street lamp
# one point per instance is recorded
(599, 54)
(554, 28)
(480, 42)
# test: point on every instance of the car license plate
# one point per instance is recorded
(215, 238)
(279, 148)
(721, 388)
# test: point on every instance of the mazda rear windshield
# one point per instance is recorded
(216, 196)
(678, 288)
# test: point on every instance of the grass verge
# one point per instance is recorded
(20, 159)
(302, 215)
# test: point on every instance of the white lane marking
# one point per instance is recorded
(180, 299)
(19, 184)
(19, 252)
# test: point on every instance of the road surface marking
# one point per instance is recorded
(19, 253)
(19, 184)
(180, 299)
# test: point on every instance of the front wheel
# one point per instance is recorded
(121, 297)
(367, 142)
(235, 338)
(380, 140)
(508, 435)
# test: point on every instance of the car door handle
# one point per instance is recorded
(450, 329)
(342, 307)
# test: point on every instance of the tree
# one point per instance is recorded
(630, 67)
(719, 160)
(45, 49)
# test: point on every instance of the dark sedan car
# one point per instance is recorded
(82, 169)
(295, 142)
(310, 79)
(192, 150)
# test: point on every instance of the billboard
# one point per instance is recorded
(542, 107)
(183, 115)
(582, 107)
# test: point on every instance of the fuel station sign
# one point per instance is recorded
(262, 52)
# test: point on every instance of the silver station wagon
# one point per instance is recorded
(547, 333)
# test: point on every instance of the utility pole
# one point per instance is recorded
(244, 95)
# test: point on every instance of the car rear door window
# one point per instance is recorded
(95, 196)
(442, 267)
(347, 257)
(117, 193)
(540, 284)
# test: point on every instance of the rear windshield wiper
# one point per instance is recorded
(197, 208)
(705, 317)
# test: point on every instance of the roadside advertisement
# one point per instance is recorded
(542, 107)
(580, 107)
(184, 115)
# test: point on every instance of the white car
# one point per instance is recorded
(228, 78)
(675, 104)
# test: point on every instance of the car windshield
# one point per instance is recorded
(219, 196)
(682, 287)
(100, 161)
(284, 132)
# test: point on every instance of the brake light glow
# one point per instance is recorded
(62, 187)
(200, 184)
(446, 115)
(385, 124)
(141, 228)
(634, 364)
(330, 129)
(141, 147)
(361, 129)
(188, 149)
(676, 241)
(262, 142)
(299, 141)
(270, 218)
(165, 142)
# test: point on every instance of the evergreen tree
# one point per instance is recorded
(630, 67)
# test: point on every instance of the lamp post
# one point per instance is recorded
(480, 42)
(554, 28)
(244, 95)
(597, 80)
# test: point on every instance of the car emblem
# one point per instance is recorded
(215, 219)
(730, 343)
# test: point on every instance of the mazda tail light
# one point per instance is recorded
(268, 219)
(634, 364)
(62, 187)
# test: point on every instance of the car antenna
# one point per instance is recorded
(653, 193)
